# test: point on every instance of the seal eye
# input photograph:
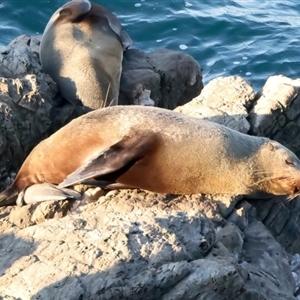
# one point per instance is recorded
(289, 162)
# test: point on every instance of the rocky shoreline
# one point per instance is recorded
(132, 244)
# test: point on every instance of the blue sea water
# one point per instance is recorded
(251, 38)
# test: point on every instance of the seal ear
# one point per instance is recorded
(271, 147)
(114, 161)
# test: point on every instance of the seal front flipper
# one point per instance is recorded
(111, 163)
(126, 40)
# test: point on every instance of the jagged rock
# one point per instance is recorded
(25, 216)
(123, 247)
(221, 276)
(21, 57)
(295, 267)
(276, 112)
(223, 100)
(25, 106)
(173, 77)
(138, 245)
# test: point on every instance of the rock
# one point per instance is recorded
(138, 245)
(25, 106)
(224, 100)
(123, 248)
(281, 217)
(295, 267)
(181, 76)
(136, 66)
(229, 279)
(232, 238)
(21, 57)
(173, 77)
(276, 112)
(25, 216)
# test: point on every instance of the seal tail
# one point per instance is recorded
(9, 196)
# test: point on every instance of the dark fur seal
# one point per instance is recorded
(161, 151)
(82, 50)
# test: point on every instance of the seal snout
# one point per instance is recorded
(296, 186)
(286, 185)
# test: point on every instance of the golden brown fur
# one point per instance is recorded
(161, 151)
(82, 50)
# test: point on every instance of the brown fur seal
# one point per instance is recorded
(161, 151)
(82, 50)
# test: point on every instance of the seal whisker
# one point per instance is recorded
(274, 173)
(106, 97)
(262, 172)
(264, 180)
(292, 197)
(111, 102)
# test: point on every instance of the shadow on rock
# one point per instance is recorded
(137, 245)
(15, 251)
(170, 271)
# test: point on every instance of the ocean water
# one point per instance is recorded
(251, 38)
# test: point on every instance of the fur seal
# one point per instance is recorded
(161, 151)
(82, 50)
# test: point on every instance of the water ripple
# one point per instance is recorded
(252, 38)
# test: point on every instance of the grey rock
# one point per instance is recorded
(132, 244)
(25, 114)
(223, 100)
(21, 57)
(106, 252)
(173, 77)
(276, 112)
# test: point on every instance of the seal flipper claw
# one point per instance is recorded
(109, 164)
(110, 185)
(46, 192)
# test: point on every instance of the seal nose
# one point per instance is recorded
(296, 189)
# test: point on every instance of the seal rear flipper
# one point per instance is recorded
(111, 163)
(46, 191)
(9, 196)
(75, 10)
